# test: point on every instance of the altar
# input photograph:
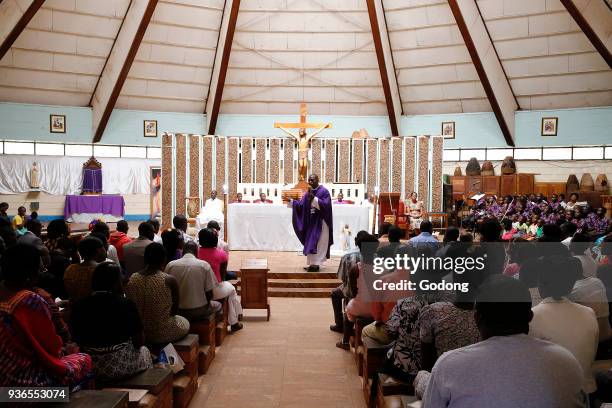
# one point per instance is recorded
(268, 227)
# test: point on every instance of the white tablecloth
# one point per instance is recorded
(268, 227)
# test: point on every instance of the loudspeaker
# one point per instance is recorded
(34, 206)
(447, 197)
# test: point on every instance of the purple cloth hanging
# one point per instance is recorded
(104, 204)
(92, 181)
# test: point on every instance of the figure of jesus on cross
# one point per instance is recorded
(303, 138)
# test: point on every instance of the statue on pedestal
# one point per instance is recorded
(34, 179)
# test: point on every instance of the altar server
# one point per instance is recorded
(313, 223)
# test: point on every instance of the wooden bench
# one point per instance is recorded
(185, 383)
(138, 398)
(374, 354)
(388, 385)
(157, 381)
(94, 398)
(205, 330)
(221, 327)
(400, 401)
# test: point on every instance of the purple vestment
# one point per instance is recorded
(307, 221)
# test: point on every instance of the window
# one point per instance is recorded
(79, 150)
(49, 149)
(18, 148)
(154, 152)
(586, 153)
(107, 151)
(498, 154)
(450, 155)
(563, 153)
(608, 152)
(136, 152)
(479, 154)
(528, 154)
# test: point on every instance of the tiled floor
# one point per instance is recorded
(290, 361)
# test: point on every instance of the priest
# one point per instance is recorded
(212, 211)
(313, 223)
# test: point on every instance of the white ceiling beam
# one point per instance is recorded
(487, 64)
(119, 62)
(386, 66)
(219, 73)
(595, 19)
(15, 16)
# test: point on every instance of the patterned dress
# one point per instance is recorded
(154, 302)
(30, 349)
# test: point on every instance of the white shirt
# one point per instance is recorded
(213, 206)
(194, 278)
(111, 253)
(589, 267)
(158, 239)
(572, 326)
(591, 292)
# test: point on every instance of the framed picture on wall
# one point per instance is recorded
(150, 128)
(155, 180)
(549, 126)
(448, 130)
(57, 123)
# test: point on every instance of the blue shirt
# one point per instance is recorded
(425, 239)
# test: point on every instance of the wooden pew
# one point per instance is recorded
(374, 354)
(157, 381)
(138, 398)
(185, 383)
(388, 385)
(399, 401)
(221, 327)
(94, 398)
(205, 330)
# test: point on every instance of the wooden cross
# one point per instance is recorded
(302, 123)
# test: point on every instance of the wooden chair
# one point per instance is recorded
(397, 401)
(373, 356)
(95, 398)
(157, 381)
(388, 385)
(138, 398)
(221, 327)
(185, 383)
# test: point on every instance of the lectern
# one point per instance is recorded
(254, 285)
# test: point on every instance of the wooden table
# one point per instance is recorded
(254, 284)
(442, 216)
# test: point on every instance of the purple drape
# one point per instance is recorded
(92, 181)
(307, 221)
(105, 204)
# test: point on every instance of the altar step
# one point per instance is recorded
(300, 275)
(296, 292)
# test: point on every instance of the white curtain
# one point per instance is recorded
(60, 175)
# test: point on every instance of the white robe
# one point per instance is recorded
(212, 211)
(321, 256)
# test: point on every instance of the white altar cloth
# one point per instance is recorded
(268, 227)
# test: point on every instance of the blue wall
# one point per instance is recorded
(588, 126)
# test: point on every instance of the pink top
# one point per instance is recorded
(215, 257)
(512, 269)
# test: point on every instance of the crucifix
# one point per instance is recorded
(303, 138)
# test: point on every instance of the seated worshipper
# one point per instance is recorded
(599, 223)
(425, 238)
(155, 223)
(214, 225)
(262, 199)
(133, 253)
(181, 224)
(447, 325)
(568, 229)
(156, 295)
(573, 202)
(403, 360)
(509, 231)
(389, 248)
(173, 244)
(359, 275)
(580, 247)
(102, 228)
(106, 325)
(217, 259)
(508, 368)
(31, 352)
(4, 211)
(591, 292)
(340, 200)
(119, 238)
(239, 199)
(212, 210)
(491, 247)
(196, 282)
(562, 321)
(604, 273)
(344, 291)
(62, 252)
(383, 232)
(102, 238)
(32, 237)
(519, 251)
(451, 235)
(415, 210)
(385, 300)
(77, 278)
(19, 220)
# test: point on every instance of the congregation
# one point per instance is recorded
(79, 308)
(543, 308)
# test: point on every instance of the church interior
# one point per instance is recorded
(306, 203)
